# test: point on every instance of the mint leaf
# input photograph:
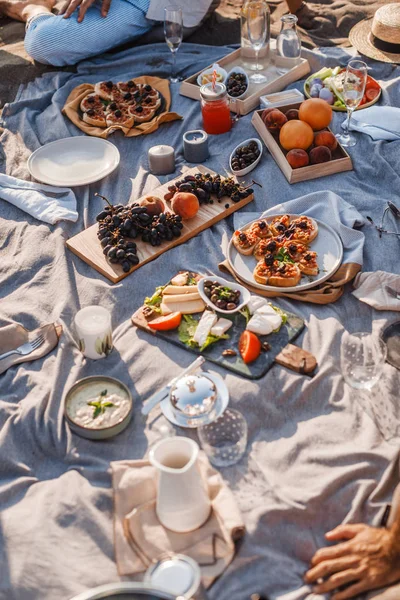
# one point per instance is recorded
(103, 393)
(284, 256)
(97, 411)
(107, 404)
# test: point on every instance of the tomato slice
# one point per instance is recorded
(371, 94)
(166, 323)
(372, 84)
(249, 346)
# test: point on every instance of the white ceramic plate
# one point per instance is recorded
(245, 294)
(253, 165)
(73, 161)
(210, 71)
(327, 244)
(223, 394)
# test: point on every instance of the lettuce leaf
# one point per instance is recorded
(155, 300)
(187, 329)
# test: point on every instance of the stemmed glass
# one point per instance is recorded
(362, 358)
(353, 92)
(173, 32)
(257, 29)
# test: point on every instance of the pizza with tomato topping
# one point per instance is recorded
(244, 242)
(271, 271)
(261, 229)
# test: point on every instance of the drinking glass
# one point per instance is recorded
(257, 29)
(173, 32)
(362, 358)
(353, 92)
(225, 439)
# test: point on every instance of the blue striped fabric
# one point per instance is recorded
(57, 41)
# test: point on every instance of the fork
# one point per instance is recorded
(26, 348)
(392, 292)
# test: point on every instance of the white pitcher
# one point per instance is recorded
(183, 503)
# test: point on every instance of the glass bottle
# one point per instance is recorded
(288, 44)
(247, 53)
(215, 108)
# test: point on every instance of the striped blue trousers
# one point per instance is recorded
(53, 40)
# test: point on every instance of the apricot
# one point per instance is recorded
(297, 158)
(185, 204)
(265, 113)
(320, 154)
(275, 119)
(296, 134)
(316, 112)
(326, 138)
(292, 114)
(154, 205)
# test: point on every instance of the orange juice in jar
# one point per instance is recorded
(215, 108)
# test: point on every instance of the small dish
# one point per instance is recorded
(91, 388)
(253, 165)
(210, 71)
(245, 294)
(242, 72)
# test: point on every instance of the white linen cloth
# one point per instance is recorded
(192, 12)
(370, 288)
(58, 204)
(380, 122)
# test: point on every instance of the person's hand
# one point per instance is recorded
(71, 5)
(369, 559)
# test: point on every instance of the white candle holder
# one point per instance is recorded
(195, 146)
(93, 326)
(161, 160)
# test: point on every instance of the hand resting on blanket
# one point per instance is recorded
(71, 5)
(367, 560)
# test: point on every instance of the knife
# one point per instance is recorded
(163, 393)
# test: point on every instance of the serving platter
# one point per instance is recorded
(73, 161)
(87, 246)
(306, 89)
(327, 244)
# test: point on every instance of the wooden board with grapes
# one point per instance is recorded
(127, 237)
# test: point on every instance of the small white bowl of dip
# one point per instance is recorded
(98, 407)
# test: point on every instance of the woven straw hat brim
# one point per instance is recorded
(359, 37)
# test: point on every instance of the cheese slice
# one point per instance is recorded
(204, 327)
(267, 310)
(260, 324)
(221, 327)
(181, 297)
(255, 302)
(180, 279)
(179, 289)
(186, 308)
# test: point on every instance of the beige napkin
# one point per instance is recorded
(139, 537)
(72, 110)
(13, 336)
(370, 288)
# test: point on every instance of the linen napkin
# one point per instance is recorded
(72, 110)
(139, 537)
(370, 288)
(379, 122)
(44, 202)
(13, 336)
(329, 208)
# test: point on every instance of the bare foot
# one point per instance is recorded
(22, 10)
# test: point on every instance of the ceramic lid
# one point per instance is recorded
(193, 396)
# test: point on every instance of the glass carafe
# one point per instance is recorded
(288, 44)
(247, 52)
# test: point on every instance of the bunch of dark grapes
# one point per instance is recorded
(117, 223)
(204, 186)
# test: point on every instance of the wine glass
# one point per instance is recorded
(362, 358)
(173, 32)
(353, 92)
(257, 29)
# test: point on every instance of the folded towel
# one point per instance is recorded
(380, 122)
(370, 288)
(44, 202)
(139, 537)
(13, 336)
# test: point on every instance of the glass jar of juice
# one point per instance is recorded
(215, 108)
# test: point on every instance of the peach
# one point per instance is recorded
(297, 158)
(292, 114)
(320, 154)
(275, 119)
(265, 113)
(296, 134)
(185, 204)
(154, 205)
(326, 138)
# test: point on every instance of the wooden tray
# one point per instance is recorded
(276, 83)
(281, 350)
(86, 245)
(341, 160)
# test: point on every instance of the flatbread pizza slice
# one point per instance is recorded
(305, 229)
(141, 114)
(127, 86)
(280, 224)
(105, 89)
(244, 242)
(91, 101)
(308, 263)
(261, 229)
(284, 274)
(95, 116)
(120, 116)
(267, 246)
(295, 250)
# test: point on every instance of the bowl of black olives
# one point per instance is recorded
(222, 295)
(237, 83)
(246, 157)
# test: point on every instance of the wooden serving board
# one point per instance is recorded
(86, 245)
(281, 351)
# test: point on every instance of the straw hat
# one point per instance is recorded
(379, 37)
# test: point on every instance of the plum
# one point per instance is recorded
(315, 90)
(319, 81)
(327, 95)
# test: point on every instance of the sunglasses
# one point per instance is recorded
(395, 211)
